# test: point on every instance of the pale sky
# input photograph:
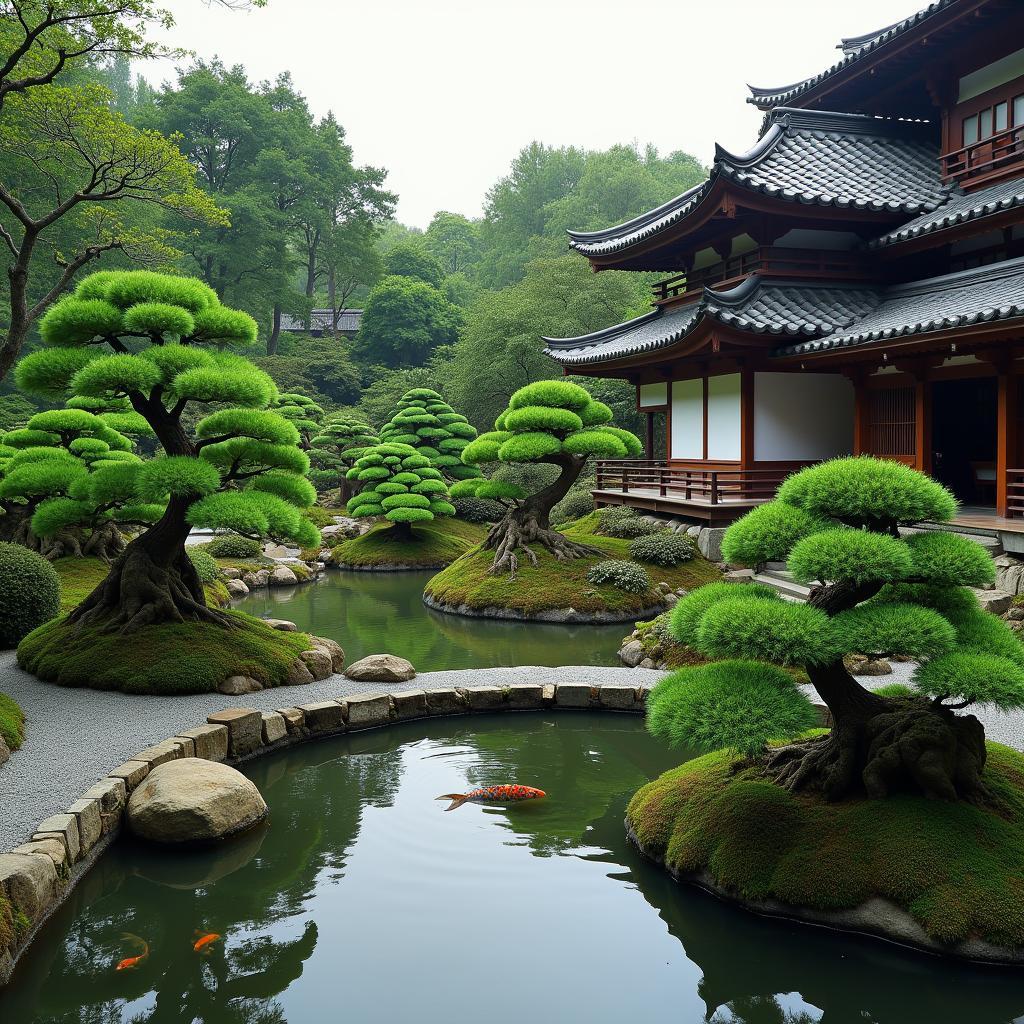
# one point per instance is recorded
(444, 93)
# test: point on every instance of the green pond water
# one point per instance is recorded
(362, 900)
(383, 612)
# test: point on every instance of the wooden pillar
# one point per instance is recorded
(922, 424)
(746, 419)
(1007, 441)
(861, 410)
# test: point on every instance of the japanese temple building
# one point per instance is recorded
(854, 283)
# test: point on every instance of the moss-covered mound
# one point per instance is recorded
(12, 722)
(553, 585)
(432, 545)
(956, 868)
(187, 657)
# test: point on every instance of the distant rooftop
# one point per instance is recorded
(321, 320)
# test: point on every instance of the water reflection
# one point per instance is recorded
(358, 608)
(362, 901)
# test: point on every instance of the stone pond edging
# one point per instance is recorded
(876, 917)
(555, 615)
(37, 876)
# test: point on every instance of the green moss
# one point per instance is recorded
(956, 867)
(6, 924)
(185, 657)
(12, 722)
(434, 543)
(553, 584)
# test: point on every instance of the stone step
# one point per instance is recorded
(786, 587)
(988, 539)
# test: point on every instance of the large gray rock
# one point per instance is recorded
(235, 686)
(994, 601)
(333, 648)
(282, 576)
(709, 543)
(194, 801)
(632, 653)
(318, 661)
(236, 588)
(380, 668)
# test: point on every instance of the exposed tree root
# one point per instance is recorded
(517, 531)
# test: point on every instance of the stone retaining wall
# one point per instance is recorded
(38, 875)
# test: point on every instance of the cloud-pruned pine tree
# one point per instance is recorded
(399, 484)
(556, 423)
(428, 423)
(874, 591)
(302, 412)
(333, 451)
(157, 340)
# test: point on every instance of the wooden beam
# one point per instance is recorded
(1007, 440)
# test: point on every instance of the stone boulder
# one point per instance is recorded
(254, 580)
(318, 661)
(236, 588)
(235, 686)
(231, 573)
(282, 576)
(5, 754)
(380, 668)
(284, 625)
(194, 801)
(333, 648)
(632, 653)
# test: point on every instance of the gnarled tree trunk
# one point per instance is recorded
(530, 522)
(880, 745)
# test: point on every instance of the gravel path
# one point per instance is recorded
(76, 736)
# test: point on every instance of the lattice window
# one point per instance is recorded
(892, 421)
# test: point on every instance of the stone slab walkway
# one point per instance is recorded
(76, 736)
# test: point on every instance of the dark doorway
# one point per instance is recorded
(964, 435)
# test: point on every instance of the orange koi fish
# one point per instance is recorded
(204, 941)
(131, 962)
(493, 795)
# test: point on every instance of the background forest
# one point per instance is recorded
(238, 183)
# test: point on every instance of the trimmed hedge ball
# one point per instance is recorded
(622, 575)
(478, 510)
(662, 548)
(31, 593)
(230, 545)
(204, 564)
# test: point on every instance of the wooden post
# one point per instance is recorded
(923, 424)
(746, 419)
(1007, 442)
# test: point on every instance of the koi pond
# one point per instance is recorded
(362, 900)
(365, 610)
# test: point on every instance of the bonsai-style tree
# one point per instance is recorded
(428, 423)
(302, 412)
(153, 339)
(334, 450)
(874, 592)
(552, 422)
(400, 484)
(66, 481)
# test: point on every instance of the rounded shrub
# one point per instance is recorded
(662, 548)
(204, 563)
(622, 575)
(31, 592)
(230, 545)
(478, 510)
(855, 555)
(629, 527)
(767, 533)
(575, 505)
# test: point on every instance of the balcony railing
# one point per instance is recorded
(779, 262)
(696, 485)
(987, 159)
(1015, 493)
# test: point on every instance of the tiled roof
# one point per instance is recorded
(322, 319)
(847, 161)
(940, 303)
(761, 307)
(854, 49)
(959, 209)
(823, 316)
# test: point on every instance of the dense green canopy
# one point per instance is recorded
(400, 484)
(333, 451)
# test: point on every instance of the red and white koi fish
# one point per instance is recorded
(203, 942)
(493, 795)
(131, 962)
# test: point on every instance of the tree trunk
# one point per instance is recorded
(346, 489)
(332, 295)
(275, 331)
(152, 581)
(880, 745)
(530, 523)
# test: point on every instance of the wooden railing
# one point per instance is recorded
(1015, 492)
(986, 159)
(803, 263)
(705, 486)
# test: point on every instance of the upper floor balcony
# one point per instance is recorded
(984, 161)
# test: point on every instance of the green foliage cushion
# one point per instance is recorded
(429, 487)
(850, 554)
(599, 443)
(259, 424)
(405, 501)
(159, 318)
(632, 443)
(974, 676)
(688, 612)
(498, 490)
(767, 533)
(204, 563)
(477, 510)
(409, 515)
(294, 489)
(556, 393)
(213, 384)
(951, 559)
(866, 490)
(526, 447)
(56, 514)
(230, 545)
(440, 507)
(739, 705)
(115, 375)
(663, 548)
(893, 629)
(485, 448)
(621, 574)
(578, 503)
(49, 372)
(627, 527)
(175, 359)
(74, 321)
(595, 413)
(776, 631)
(31, 592)
(129, 287)
(541, 417)
(177, 475)
(36, 479)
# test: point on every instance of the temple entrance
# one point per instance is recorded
(964, 432)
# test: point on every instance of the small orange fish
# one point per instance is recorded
(493, 795)
(204, 941)
(131, 962)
